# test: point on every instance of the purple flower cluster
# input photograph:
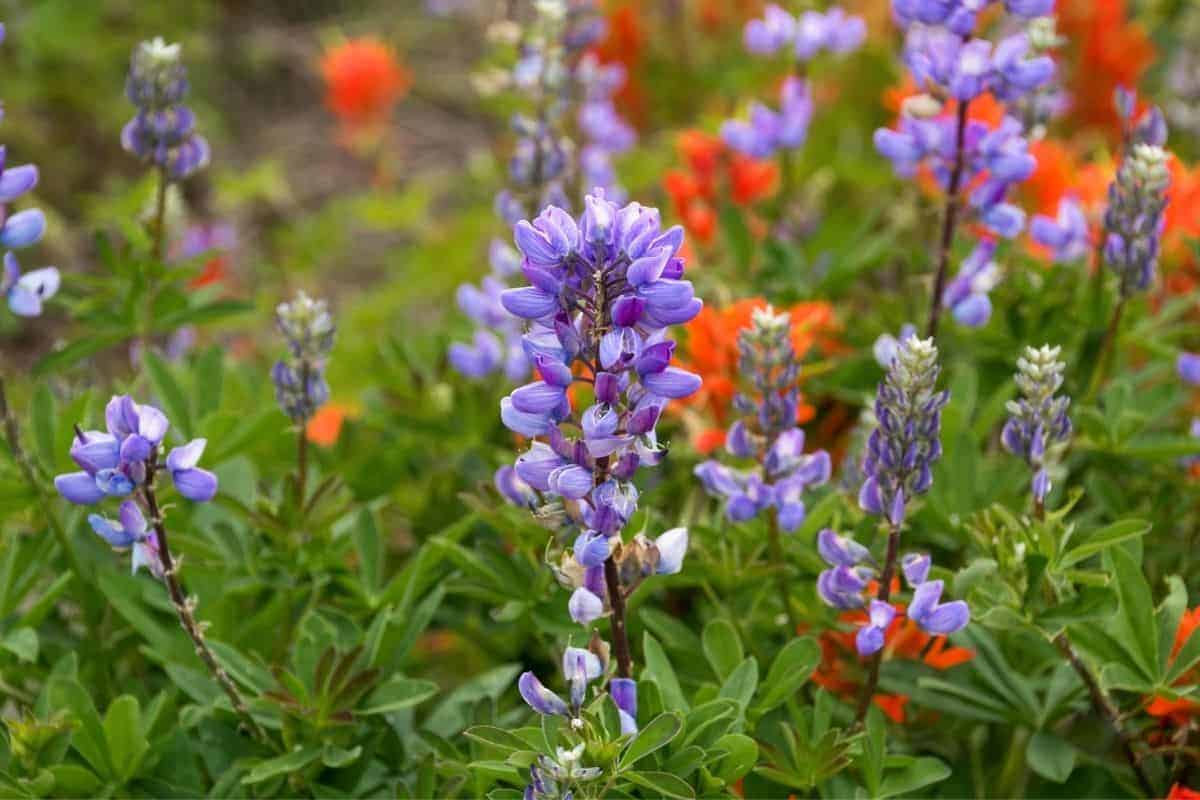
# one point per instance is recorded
(1134, 220)
(767, 433)
(905, 445)
(299, 377)
(162, 132)
(949, 63)
(806, 35)
(604, 290)
(992, 162)
(1066, 234)
(25, 293)
(544, 161)
(967, 295)
(1038, 419)
(844, 583)
(580, 667)
(130, 530)
(605, 132)
(767, 131)
(127, 456)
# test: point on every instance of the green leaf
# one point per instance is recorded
(662, 784)
(874, 750)
(89, 738)
(370, 551)
(916, 774)
(1050, 756)
(76, 351)
(722, 647)
(497, 738)
(1134, 625)
(285, 764)
(741, 754)
(790, 670)
(23, 643)
(169, 391)
(335, 757)
(1104, 538)
(658, 669)
(398, 693)
(72, 780)
(123, 731)
(208, 380)
(657, 734)
(742, 683)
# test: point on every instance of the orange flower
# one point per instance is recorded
(750, 180)
(326, 425)
(711, 351)
(1181, 792)
(702, 150)
(363, 80)
(1178, 712)
(624, 43)
(1107, 51)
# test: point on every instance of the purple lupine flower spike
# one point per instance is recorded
(1133, 222)
(162, 132)
(767, 432)
(905, 445)
(299, 377)
(1188, 367)
(1038, 425)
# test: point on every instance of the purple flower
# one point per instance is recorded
(624, 695)
(539, 698)
(1188, 367)
(130, 530)
(870, 637)
(1038, 419)
(299, 378)
(842, 587)
(838, 551)
(887, 346)
(26, 292)
(904, 446)
(767, 131)
(916, 568)
(967, 295)
(116, 462)
(672, 547)
(162, 132)
(1134, 219)
(808, 35)
(1066, 234)
(940, 619)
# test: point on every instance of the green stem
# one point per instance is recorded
(884, 595)
(1103, 705)
(1100, 371)
(778, 555)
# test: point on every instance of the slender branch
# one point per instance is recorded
(1100, 370)
(949, 220)
(160, 215)
(883, 596)
(616, 602)
(1105, 708)
(184, 607)
(775, 543)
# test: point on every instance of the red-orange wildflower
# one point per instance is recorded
(712, 172)
(325, 427)
(711, 351)
(1107, 50)
(363, 81)
(1181, 792)
(1180, 711)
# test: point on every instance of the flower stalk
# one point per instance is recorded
(949, 220)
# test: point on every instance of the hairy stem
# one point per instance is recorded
(884, 594)
(775, 543)
(184, 608)
(949, 220)
(1105, 708)
(616, 602)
